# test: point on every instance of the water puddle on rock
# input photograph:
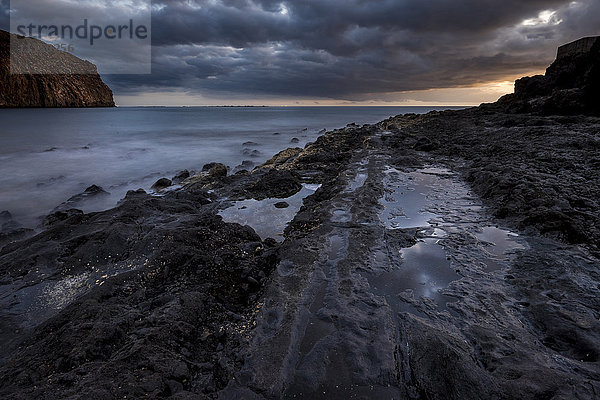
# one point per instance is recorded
(449, 221)
(405, 198)
(496, 243)
(263, 215)
(425, 270)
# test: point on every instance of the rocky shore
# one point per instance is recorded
(487, 289)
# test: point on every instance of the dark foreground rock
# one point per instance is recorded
(151, 299)
(154, 298)
(46, 88)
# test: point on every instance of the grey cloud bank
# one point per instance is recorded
(350, 49)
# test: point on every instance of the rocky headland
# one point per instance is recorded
(569, 87)
(41, 79)
(452, 255)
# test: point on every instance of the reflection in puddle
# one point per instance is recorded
(405, 199)
(341, 215)
(497, 243)
(425, 270)
(356, 182)
(359, 178)
(444, 209)
(263, 216)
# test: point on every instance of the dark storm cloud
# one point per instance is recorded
(4, 16)
(242, 23)
(351, 49)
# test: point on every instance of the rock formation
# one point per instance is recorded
(570, 86)
(82, 88)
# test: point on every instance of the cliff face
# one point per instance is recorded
(82, 88)
(571, 84)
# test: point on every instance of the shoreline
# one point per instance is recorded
(142, 145)
(190, 305)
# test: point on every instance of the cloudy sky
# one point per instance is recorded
(384, 52)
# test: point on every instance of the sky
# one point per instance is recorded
(347, 52)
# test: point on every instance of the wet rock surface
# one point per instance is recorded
(534, 172)
(162, 183)
(216, 170)
(92, 193)
(449, 306)
(451, 255)
(181, 176)
(146, 300)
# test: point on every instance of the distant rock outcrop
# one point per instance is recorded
(571, 84)
(82, 88)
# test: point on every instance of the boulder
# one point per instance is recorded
(275, 184)
(162, 183)
(93, 192)
(181, 176)
(5, 216)
(215, 170)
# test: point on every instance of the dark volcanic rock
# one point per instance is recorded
(244, 167)
(10, 226)
(156, 301)
(92, 193)
(181, 176)
(63, 215)
(162, 183)
(275, 184)
(251, 153)
(281, 204)
(425, 144)
(531, 169)
(571, 84)
(283, 156)
(82, 88)
(5, 216)
(215, 170)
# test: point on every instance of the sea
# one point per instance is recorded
(49, 155)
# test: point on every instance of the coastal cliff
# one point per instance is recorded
(84, 88)
(570, 86)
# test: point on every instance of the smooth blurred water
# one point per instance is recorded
(48, 155)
